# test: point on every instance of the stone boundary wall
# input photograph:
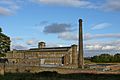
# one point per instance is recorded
(4, 68)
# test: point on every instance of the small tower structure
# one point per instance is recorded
(41, 45)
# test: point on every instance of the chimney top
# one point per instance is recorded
(80, 20)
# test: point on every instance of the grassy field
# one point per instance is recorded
(56, 76)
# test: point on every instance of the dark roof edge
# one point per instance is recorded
(50, 48)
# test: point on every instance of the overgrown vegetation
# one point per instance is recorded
(106, 58)
(4, 42)
(56, 76)
(2, 55)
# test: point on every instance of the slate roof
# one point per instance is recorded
(50, 49)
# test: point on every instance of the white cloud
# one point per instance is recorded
(93, 47)
(101, 26)
(97, 48)
(17, 38)
(8, 7)
(74, 3)
(67, 36)
(109, 45)
(89, 36)
(19, 47)
(4, 11)
(106, 5)
(111, 5)
(31, 42)
(51, 44)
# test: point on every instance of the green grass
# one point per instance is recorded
(56, 76)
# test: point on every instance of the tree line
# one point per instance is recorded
(106, 58)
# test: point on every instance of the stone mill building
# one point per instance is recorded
(63, 57)
(45, 57)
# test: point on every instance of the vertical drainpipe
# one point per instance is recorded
(80, 53)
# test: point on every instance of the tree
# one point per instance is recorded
(95, 59)
(117, 57)
(0, 29)
(106, 58)
(2, 55)
(4, 42)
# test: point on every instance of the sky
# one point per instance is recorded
(55, 22)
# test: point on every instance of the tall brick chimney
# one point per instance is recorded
(80, 53)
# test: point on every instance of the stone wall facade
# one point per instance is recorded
(45, 57)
